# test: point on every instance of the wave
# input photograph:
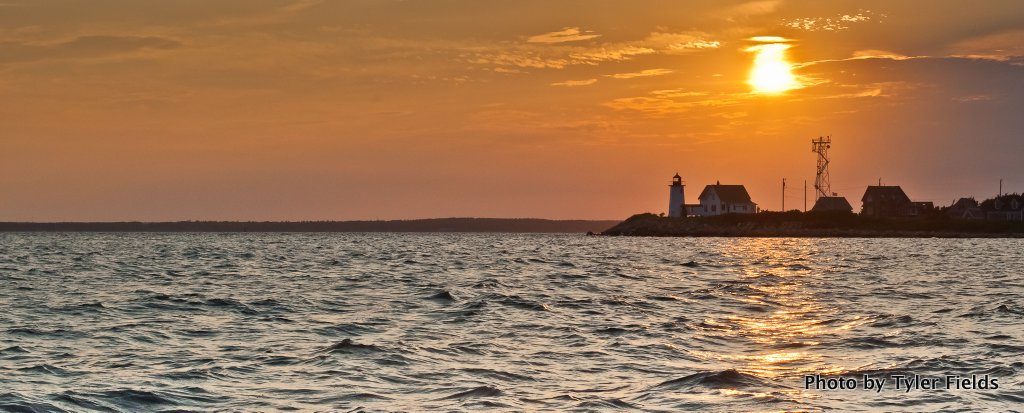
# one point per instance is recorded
(14, 350)
(137, 399)
(349, 346)
(442, 296)
(605, 404)
(496, 374)
(715, 379)
(481, 391)
(870, 342)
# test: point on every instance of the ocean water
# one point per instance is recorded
(426, 322)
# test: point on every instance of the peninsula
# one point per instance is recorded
(814, 224)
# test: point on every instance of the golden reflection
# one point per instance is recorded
(787, 336)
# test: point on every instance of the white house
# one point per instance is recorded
(721, 199)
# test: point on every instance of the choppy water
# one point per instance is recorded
(415, 322)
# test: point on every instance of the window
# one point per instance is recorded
(714, 208)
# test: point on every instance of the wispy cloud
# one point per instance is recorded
(568, 34)
(300, 5)
(1003, 46)
(574, 83)
(642, 73)
(973, 98)
(832, 24)
(671, 101)
(526, 59)
(610, 53)
(862, 55)
(272, 16)
(879, 54)
(82, 47)
(673, 43)
(752, 8)
(548, 55)
(769, 39)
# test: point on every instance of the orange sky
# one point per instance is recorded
(365, 109)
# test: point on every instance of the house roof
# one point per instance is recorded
(964, 203)
(733, 194)
(965, 207)
(885, 194)
(832, 203)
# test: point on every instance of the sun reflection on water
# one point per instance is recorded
(800, 320)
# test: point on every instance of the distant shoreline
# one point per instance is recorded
(794, 224)
(492, 225)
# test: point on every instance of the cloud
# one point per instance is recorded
(275, 15)
(300, 5)
(862, 55)
(642, 73)
(532, 57)
(831, 24)
(545, 56)
(973, 98)
(880, 54)
(82, 47)
(610, 53)
(508, 71)
(574, 83)
(519, 58)
(674, 43)
(769, 39)
(672, 101)
(753, 8)
(568, 34)
(653, 106)
(1002, 46)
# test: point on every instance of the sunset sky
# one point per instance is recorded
(377, 109)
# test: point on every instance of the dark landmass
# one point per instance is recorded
(814, 224)
(414, 225)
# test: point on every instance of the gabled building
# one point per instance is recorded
(884, 201)
(832, 204)
(721, 199)
(890, 201)
(966, 208)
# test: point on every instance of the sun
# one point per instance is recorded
(772, 73)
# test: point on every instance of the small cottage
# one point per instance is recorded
(721, 199)
(966, 208)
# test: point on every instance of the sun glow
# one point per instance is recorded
(772, 73)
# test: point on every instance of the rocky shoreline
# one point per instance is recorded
(812, 225)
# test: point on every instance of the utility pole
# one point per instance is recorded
(805, 195)
(1000, 186)
(783, 194)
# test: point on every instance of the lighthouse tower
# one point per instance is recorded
(676, 198)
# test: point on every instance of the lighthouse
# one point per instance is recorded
(676, 199)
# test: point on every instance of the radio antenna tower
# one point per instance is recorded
(821, 180)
